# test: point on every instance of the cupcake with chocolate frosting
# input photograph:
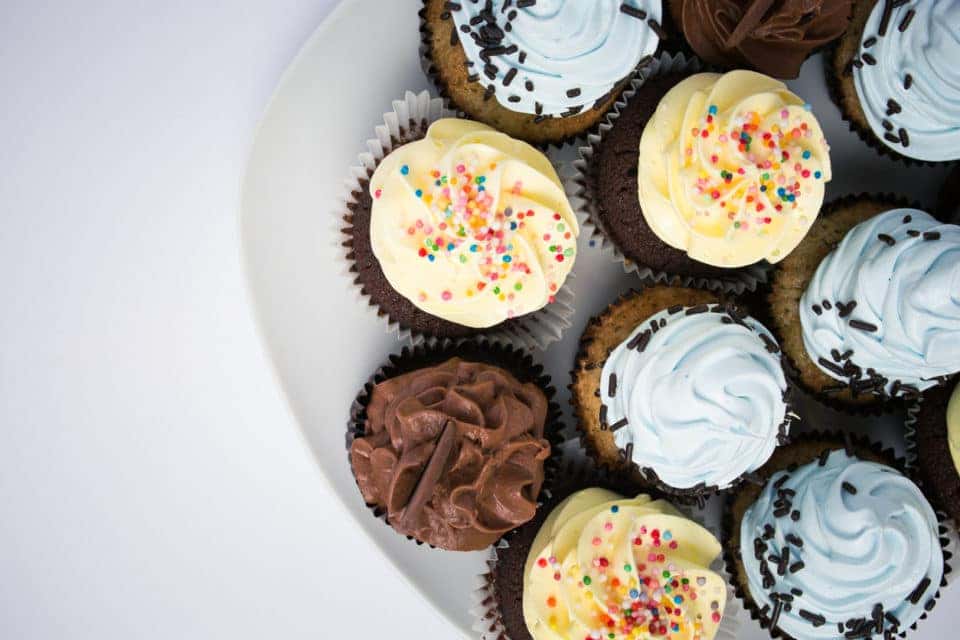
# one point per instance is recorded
(770, 36)
(451, 450)
(544, 71)
(688, 392)
(837, 543)
(879, 316)
(894, 77)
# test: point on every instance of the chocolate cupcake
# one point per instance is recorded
(594, 545)
(713, 203)
(877, 317)
(933, 438)
(948, 202)
(836, 543)
(772, 37)
(544, 74)
(455, 230)
(892, 75)
(451, 444)
(681, 389)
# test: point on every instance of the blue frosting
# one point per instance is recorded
(865, 536)
(702, 397)
(927, 50)
(902, 269)
(555, 56)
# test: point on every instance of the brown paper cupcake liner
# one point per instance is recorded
(585, 376)
(880, 405)
(498, 597)
(582, 192)
(816, 443)
(928, 450)
(408, 122)
(432, 72)
(507, 357)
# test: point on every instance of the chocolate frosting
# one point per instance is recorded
(770, 36)
(453, 453)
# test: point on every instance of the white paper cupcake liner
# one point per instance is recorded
(485, 610)
(408, 121)
(736, 282)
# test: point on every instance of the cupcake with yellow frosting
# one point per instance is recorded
(933, 439)
(454, 229)
(706, 177)
(598, 564)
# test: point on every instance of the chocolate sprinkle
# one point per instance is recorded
(849, 488)
(863, 326)
(906, 20)
(619, 424)
(612, 386)
(815, 619)
(931, 235)
(869, 59)
(633, 12)
(887, 239)
(907, 81)
(918, 592)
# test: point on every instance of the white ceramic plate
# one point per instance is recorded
(325, 342)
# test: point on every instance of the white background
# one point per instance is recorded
(152, 481)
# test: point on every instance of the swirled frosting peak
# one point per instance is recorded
(453, 453)
(696, 395)
(612, 568)
(882, 311)
(555, 57)
(732, 169)
(471, 225)
(907, 78)
(849, 544)
(771, 36)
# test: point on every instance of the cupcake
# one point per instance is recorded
(449, 445)
(543, 72)
(948, 202)
(706, 177)
(877, 317)
(770, 37)
(461, 230)
(893, 75)
(837, 543)
(602, 565)
(686, 391)
(934, 436)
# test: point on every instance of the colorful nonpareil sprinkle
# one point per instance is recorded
(464, 224)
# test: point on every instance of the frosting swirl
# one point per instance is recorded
(556, 57)
(863, 547)
(696, 396)
(471, 225)
(887, 300)
(732, 169)
(604, 566)
(773, 37)
(454, 453)
(908, 81)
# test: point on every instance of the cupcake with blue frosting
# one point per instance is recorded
(681, 388)
(544, 71)
(836, 543)
(894, 77)
(878, 317)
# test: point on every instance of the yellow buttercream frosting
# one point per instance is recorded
(953, 426)
(471, 225)
(732, 169)
(604, 566)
